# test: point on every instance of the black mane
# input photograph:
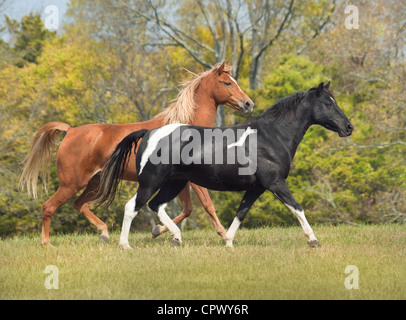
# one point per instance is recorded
(288, 105)
(285, 106)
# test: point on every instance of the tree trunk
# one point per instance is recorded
(256, 71)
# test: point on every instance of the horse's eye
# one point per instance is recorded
(227, 84)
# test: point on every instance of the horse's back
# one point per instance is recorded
(85, 149)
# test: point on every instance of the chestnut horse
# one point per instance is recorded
(85, 149)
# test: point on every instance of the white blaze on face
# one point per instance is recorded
(154, 140)
(236, 84)
(332, 99)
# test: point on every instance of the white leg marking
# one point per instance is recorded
(154, 140)
(129, 215)
(167, 221)
(242, 139)
(232, 231)
(308, 231)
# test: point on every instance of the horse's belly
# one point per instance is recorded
(214, 177)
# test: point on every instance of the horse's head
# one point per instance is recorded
(226, 91)
(326, 111)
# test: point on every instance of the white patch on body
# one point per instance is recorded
(154, 140)
(242, 139)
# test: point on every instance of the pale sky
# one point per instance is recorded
(16, 9)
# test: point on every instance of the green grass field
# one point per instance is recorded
(266, 263)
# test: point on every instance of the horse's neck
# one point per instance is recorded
(290, 131)
(205, 116)
(297, 131)
(148, 124)
(206, 109)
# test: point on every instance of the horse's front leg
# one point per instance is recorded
(282, 192)
(247, 201)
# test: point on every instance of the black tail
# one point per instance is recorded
(114, 168)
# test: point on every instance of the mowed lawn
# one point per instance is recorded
(266, 263)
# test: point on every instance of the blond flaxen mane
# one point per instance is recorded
(183, 108)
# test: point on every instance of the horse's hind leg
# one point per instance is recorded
(81, 204)
(282, 192)
(61, 195)
(204, 197)
(247, 201)
(167, 192)
(132, 208)
(185, 198)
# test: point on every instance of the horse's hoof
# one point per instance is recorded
(48, 245)
(104, 238)
(229, 244)
(314, 244)
(176, 242)
(156, 231)
(125, 246)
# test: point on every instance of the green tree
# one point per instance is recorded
(28, 36)
(114, 63)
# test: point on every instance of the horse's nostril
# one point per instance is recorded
(247, 104)
(350, 127)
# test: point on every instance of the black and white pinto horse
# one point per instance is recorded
(257, 159)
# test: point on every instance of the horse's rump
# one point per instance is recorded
(38, 159)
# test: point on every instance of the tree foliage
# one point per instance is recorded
(121, 62)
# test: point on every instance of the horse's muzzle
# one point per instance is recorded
(247, 107)
(349, 128)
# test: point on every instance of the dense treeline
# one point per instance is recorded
(121, 61)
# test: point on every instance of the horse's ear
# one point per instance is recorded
(327, 86)
(320, 88)
(220, 69)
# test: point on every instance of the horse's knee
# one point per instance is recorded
(187, 211)
(47, 211)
